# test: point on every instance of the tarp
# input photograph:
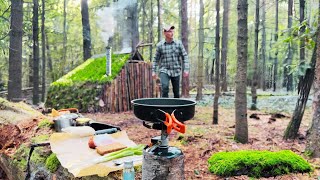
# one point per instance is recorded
(75, 155)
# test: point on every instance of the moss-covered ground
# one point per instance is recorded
(257, 163)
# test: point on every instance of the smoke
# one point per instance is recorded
(106, 22)
(118, 14)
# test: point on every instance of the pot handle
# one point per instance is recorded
(168, 123)
(177, 125)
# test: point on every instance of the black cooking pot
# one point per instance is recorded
(153, 109)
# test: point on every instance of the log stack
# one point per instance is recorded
(134, 81)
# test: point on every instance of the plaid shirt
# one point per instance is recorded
(167, 58)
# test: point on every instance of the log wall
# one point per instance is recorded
(134, 81)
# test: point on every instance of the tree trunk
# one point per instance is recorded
(134, 26)
(143, 6)
(159, 20)
(241, 128)
(313, 134)
(275, 63)
(288, 79)
(184, 38)
(49, 59)
(305, 83)
(200, 53)
(15, 51)
(30, 71)
(263, 46)
(302, 40)
(217, 65)
(151, 30)
(86, 35)
(64, 55)
(224, 49)
(43, 47)
(254, 83)
(35, 35)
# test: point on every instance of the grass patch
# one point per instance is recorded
(257, 163)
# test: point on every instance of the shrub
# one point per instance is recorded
(257, 163)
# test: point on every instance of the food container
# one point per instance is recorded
(60, 123)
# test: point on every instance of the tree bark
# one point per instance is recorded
(217, 65)
(241, 127)
(200, 53)
(86, 32)
(15, 51)
(43, 48)
(275, 63)
(254, 83)
(184, 38)
(134, 26)
(224, 49)
(151, 30)
(159, 20)
(143, 6)
(64, 55)
(302, 29)
(263, 45)
(288, 79)
(305, 83)
(313, 134)
(49, 59)
(158, 167)
(35, 35)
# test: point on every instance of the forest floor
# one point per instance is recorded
(202, 138)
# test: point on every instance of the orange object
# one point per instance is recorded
(71, 110)
(168, 123)
(177, 125)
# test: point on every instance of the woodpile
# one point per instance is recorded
(134, 81)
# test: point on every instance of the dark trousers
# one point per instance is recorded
(165, 78)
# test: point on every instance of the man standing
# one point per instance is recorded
(167, 60)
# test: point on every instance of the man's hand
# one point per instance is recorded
(154, 75)
(185, 74)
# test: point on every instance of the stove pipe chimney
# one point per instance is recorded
(108, 61)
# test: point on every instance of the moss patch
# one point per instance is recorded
(40, 138)
(82, 87)
(21, 156)
(257, 163)
(52, 163)
(45, 123)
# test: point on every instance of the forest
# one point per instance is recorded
(254, 75)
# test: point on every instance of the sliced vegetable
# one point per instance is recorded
(130, 151)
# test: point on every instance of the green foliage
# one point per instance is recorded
(40, 138)
(45, 123)
(81, 86)
(20, 157)
(52, 163)
(257, 163)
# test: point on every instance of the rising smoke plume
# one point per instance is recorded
(110, 17)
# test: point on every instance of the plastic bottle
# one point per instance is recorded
(128, 171)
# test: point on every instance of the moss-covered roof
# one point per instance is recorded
(82, 87)
(93, 70)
